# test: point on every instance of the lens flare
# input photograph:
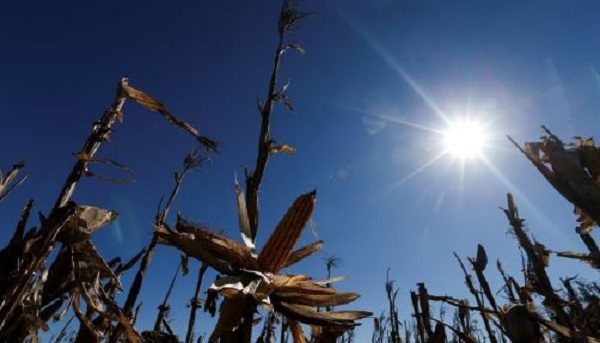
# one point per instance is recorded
(465, 139)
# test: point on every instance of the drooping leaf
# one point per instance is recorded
(156, 106)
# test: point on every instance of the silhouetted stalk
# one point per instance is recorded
(284, 328)
(542, 282)
(420, 334)
(99, 134)
(469, 283)
(592, 247)
(507, 283)
(288, 15)
(163, 308)
(195, 304)
(394, 322)
(424, 301)
(190, 162)
(61, 213)
(136, 313)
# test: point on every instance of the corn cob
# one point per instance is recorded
(281, 242)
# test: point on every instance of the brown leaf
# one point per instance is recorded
(187, 244)
(156, 106)
(222, 246)
(296, 330)
(565, 332)
(243, 219)
(300, 254)
(316, 300)
(230, 316)
(309, 315)
(283, 148)
(287, 284)
(93, 218)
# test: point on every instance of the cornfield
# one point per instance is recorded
(53, 274)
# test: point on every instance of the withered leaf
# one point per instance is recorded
(231, 313)
(316, 300)
(243, 219)
(309, 315)
(300, 254)
(296, 330)
(283, 148)
(156, 106)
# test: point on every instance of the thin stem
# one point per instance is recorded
(164, 307)
(195, 304)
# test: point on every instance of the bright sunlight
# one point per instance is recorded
(465, 139)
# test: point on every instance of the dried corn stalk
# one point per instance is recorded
(295, 296)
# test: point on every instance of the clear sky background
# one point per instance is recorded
(372, 69)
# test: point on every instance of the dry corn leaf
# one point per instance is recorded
(565, 332)
(226, 248)
(300, 254)
(244, 221)
(187, 243)
(156, 106)
(304, 287)
(317, 300)
(83, 156)
(281, 242)
(285, 280)
(83, 320)
(5, 182)
(92, 218)
(283, 148)
(230, 316)
(129, 264)
(309, 315)
(296, 329)
(329, 281)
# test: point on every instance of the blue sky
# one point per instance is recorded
(370, 68)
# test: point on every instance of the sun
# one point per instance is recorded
(465, 138)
